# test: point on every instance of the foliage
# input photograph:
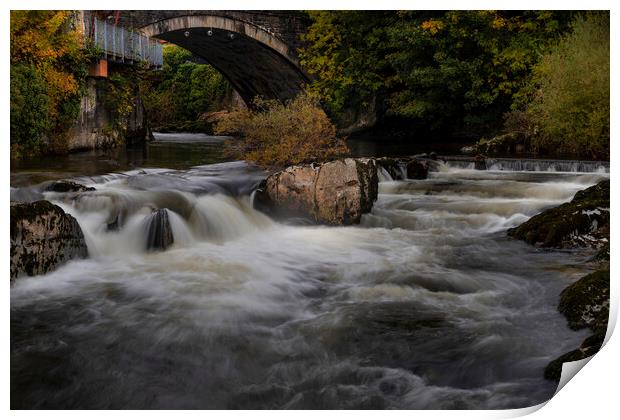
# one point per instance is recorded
(29, 108)
(279, 135)
(47, 52)
(569, 91)
(450, 71)
(345, 52)
(186, 89)
(119, 97)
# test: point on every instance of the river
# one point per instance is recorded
(426, 304)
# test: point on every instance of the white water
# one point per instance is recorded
(427, 304)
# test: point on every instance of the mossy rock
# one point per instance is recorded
(585, 303)
(43, 236)
(67, 186)
(589, 347)
(584, 221)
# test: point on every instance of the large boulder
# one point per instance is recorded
(582, 222)
(332, 193)
(43, 236)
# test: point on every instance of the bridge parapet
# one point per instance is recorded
(123, 45)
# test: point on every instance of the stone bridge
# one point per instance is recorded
(255, 50)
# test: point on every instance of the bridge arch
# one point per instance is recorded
(252, 58)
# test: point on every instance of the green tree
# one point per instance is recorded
(185, 90)
(49, 54)
(29, 109)
(570, 90)
(454, 71)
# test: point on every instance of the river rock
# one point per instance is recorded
(584, 221)
(67, 186)
(585, 304)
(393, 166)
(480, 163)
(159, 235)
(417, 169)
(43, 236)
(409, 168)
(332, 193)
(589, 347)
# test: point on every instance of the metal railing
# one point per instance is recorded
(123, 45)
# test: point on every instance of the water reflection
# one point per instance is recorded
(175, 151)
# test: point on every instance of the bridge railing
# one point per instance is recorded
(121, 44)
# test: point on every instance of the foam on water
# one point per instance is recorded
(425, 305)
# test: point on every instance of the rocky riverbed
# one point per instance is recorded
(191, 298)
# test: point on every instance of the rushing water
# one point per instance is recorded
(427, 304)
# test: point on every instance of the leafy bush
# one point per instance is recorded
(48, 69)
(29, 110)
(279, 135)
(570, 99)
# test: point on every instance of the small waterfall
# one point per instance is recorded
(384, 176)
(529, 165)
(158, 231)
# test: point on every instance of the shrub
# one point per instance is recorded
(276, 134)
(29, 110)
(570, 103)
(48, 69)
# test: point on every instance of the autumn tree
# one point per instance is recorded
(48, 69)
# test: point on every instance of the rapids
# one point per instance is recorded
(426, 304)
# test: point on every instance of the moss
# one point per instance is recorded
(560, 226)
(585, 303)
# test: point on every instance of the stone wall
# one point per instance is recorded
(94, 128)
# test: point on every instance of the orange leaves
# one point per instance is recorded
(432, 25)
(282, 135)
(40, 37)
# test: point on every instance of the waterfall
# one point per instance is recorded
(530, 165)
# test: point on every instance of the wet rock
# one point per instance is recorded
(480, 163)
(584, 221)
(417, 169)
(589, 347)
(332, 193)
(159, 235)
(585, 303)
(393, 167)
(43, 236)
(67, 186)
